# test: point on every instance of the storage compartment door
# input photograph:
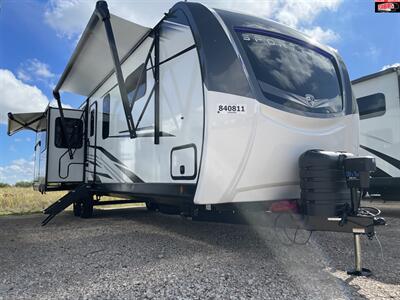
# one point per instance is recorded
(184, 162)
(60, 167)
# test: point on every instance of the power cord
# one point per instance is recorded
(293, 241)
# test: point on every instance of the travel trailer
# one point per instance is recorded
(210, 113)
(209, 107)
(378, 98)
(210, 110)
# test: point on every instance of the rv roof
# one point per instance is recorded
(91, 61)
(377, 74)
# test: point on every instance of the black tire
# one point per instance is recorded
(77, 208)
(87, 208)
(151, 206)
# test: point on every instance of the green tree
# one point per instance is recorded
(23, 184)
(3, 185)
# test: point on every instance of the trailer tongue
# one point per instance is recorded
(331, 187)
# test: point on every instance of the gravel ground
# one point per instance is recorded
(136, 254)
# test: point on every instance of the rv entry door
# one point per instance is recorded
(61, 169)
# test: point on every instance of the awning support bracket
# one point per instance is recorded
(157, 86)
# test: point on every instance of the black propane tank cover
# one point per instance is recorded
(324, 190)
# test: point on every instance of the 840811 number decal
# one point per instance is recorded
(231, 109)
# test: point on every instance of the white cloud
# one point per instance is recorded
(322, 36)
(372, 52)
(53, 103)
(252, 7)
(19, 140)
(33, 70)
(18, 170)
(69, 17)
(296, 12)
(395, 65)
(17, 96)
(23, 75)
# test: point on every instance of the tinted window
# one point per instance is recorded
(74, 134)
(92, 123)
(136, 81)
(293, 74)
(143, 109)
(106, 117)
(371, 106)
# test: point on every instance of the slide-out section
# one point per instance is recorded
(54, 167)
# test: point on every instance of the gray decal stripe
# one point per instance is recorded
(101, 174)
(108, 154)
(394, 162)
(380, 173)
(93, 163)
(110, 169)
(97, 178)
(100, 161)
(132, 176)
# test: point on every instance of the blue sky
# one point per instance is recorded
(38, 37)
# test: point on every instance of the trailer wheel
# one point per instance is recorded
(87, 209)
(77, 208)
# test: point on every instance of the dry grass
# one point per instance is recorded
(16, 200)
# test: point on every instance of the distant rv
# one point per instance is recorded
(378, 98)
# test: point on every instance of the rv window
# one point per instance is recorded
(293, 74)
(106, 117)
(92, 123)
(132, 82)
(74, 133)
(43, 141)
(371, 106)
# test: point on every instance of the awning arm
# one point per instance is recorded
(56, 95)
(56, 92)
(103, 14)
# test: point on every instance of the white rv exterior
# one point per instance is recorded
(217, 127)
(378, 97)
